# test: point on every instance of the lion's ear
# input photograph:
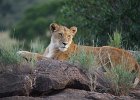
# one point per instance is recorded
(54, 27)
(74, 30)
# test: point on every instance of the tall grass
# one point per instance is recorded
(86, 60)
(8, 57)
(121, 80)
(115, 40)
(9, 48)
(6, 42)
(37, 46)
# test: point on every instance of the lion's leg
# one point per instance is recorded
(30, 55)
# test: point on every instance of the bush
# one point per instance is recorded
(95, 19)
(36, 22)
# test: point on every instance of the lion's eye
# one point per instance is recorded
(60, 34)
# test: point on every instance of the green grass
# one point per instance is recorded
(6, 42)
(37, 46)
(9, 57)
(115, 40)
(85, 60)
(9, 48)
(121, 80)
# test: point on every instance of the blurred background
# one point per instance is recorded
(27, 21)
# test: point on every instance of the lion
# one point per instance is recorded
(61, 47)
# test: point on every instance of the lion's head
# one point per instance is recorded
(62, 36)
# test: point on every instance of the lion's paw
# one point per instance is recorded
(22, 53)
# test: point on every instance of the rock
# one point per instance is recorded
(53, 75)
(69, 94)
(135, 93)
(56, 80)
(18, 69)
(74, 94)
(101, 84)
(106, 96)
(22, 98)
(13, 85)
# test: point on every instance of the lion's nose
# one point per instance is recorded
(65, 43)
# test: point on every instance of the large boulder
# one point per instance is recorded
(69, 94)
(51, 75)
(101, 83)
(73, 94)
(55, 80)
(12, 84)
(22, 98)
(17, 69)
(135, 93)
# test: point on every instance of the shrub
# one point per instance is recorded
(95, 19)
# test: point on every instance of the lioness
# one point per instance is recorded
(61, 47)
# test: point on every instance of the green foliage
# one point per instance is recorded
(115, 40)
(85, 59)
(8, 49)
(121, 80)
(8, 57)
(11, 11)
(95, 19)
(36, 22)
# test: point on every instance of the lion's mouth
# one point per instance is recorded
(63, 48)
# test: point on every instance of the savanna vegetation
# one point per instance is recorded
(96, 20)
(105, 22)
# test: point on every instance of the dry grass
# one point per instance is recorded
(6, 42)
(9, 48)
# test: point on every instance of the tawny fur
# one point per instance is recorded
(105, 56)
